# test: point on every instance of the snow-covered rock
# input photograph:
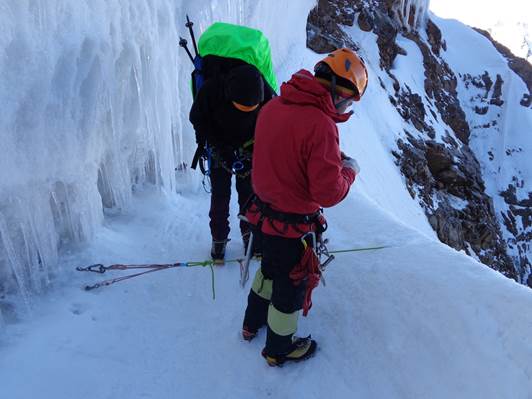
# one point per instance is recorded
(446, 105)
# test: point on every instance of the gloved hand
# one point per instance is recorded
(350, 163)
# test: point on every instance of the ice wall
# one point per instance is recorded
(94, 98)
(88, 110)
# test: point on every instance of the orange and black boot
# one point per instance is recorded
(301, 349)
(248, 334)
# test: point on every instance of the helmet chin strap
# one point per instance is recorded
(333, 90)
(340, 104)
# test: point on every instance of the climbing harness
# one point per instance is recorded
(301, 223)
(237, 165)
(211, 158)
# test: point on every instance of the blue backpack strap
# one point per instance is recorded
(197, 75)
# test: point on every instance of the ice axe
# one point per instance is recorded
(244, 266)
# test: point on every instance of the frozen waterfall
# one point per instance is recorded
(411, 14)
(94, 102)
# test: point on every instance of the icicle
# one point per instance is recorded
(44, 235)
(411, 14)
(15, 263)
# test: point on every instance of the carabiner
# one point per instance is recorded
(237, 166)
(97, 268)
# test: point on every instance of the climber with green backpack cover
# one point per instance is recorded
(232, 79)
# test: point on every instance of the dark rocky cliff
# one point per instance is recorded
(443, 175)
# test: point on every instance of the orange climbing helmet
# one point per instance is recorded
(351, 75)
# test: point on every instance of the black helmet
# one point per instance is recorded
(245, 86)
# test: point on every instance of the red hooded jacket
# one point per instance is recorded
(297, 167)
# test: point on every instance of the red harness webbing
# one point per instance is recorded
(307, 269)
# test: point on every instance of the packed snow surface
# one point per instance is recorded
(416, 320)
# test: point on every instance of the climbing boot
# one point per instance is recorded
(218, 251)
(248, 334)
(301, 349)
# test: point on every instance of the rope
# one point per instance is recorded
(212, 282)
(359, 249)
(99, 268)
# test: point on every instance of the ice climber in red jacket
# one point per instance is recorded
(298, 168)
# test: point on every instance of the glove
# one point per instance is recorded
(351, 163)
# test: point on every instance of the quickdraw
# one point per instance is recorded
(100, 268)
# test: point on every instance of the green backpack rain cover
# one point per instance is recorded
(235, 41)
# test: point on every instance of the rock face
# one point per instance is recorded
(443, 175)
(446, 178)
(518, 221)
(514, 215)
(520, 66)
(324, 33)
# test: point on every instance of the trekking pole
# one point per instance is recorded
(183, 43)
(189, 25)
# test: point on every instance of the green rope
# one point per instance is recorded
(359, 249)
(203, 263)
(248, 143)
(206, 263)
(331, 252)
(233, 260)
(212, 282)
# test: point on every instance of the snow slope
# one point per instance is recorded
(508, 23)
(417, 320)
